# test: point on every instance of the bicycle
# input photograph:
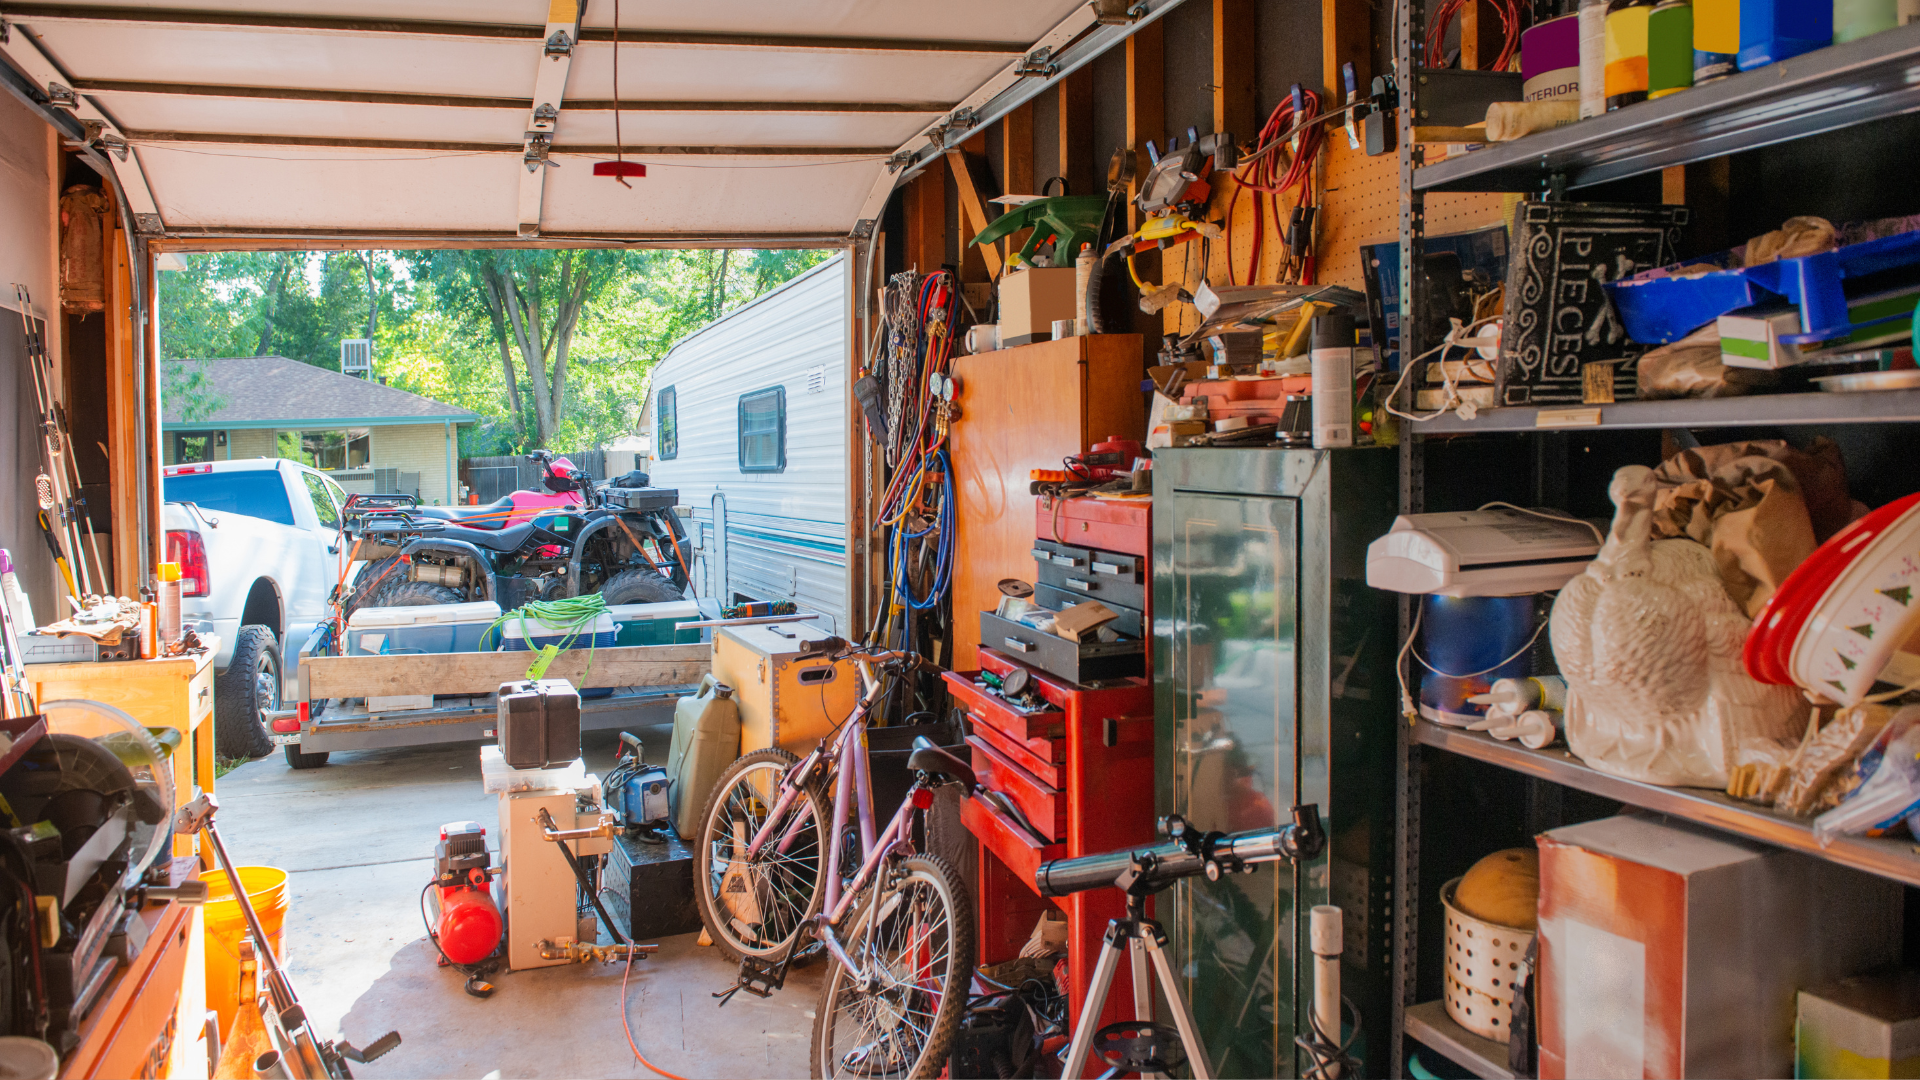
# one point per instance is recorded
(898, 927)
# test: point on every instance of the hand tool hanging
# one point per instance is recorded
(63, 471)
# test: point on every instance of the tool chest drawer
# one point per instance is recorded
(1101, 524)
(1019, 849)
(1066, 556)
(1121, 586)
(1076, 662)
(987, 707)
(1132, 621)
(1045, 758)
(1043, 805)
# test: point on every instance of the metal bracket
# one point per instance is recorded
(91, 129)
(559, 45)
(1038, 64)
(545, 116)
(1556, 185)
(1117, 12)
(963, 118)
(112, 144)
(61, 97)
(148, 224)
(863, 229)
(539, 144)
(900, 161)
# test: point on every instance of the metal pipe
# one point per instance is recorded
(468, 101)
(241, 139)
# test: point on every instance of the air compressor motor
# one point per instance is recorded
(469, 928)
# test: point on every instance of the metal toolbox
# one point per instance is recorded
(642, 498)
(649, 887)
(1077, 662)
(539, 723)
(1132, 621)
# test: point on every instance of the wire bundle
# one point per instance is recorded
(1444, 16)
(1270, 174)
(918, 507)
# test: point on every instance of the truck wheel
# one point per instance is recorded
(298, 760)
(638, 587)
(245, 693)
(418, 594)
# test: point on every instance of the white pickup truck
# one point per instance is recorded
(258, 546)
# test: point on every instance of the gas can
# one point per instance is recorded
(706, 739)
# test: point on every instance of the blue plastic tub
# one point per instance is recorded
(1658, 310)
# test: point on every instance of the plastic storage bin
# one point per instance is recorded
(442, 628)
(519, 630)
(655, 624)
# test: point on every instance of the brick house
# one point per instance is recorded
(369, 436)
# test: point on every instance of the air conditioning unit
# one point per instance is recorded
(356, 357)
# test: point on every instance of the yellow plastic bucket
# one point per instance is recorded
(226, 925)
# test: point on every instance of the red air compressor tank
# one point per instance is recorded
(470, 927)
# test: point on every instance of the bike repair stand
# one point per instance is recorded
(1136, 1046)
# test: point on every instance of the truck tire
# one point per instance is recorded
(417, 594)
(245, 692)
(298, 760)
(638, 587)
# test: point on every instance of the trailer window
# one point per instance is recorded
(763, 430)
(666, 424)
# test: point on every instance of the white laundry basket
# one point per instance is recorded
(1482, 963)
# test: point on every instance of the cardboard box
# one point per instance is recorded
(1671, 951)
(1079, 622)
(1865, 1026)
(1031, 298)
(1751, 337)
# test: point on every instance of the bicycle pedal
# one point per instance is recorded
(758, 977)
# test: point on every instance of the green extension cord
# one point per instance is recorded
(571, 615)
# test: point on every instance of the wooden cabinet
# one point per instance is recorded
(1023, 409)
(176, 692)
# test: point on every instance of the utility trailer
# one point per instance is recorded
(644, 680)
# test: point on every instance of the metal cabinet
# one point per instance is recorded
(1273, 672)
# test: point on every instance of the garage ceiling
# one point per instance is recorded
(758, 120)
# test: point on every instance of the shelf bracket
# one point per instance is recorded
(1556, 185)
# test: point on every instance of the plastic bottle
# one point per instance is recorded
(1669, 48)
(1627, 52)
(1773, 30)
(1593, 56)
(1716, 39)
(169, 574)
(1520, 695)
(1333, 338)
(1855, 19)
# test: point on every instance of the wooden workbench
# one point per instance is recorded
(176, 692)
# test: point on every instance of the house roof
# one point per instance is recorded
(275, 392)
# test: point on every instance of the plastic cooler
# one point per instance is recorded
(519, 630)
(655, 624)
(433, 628)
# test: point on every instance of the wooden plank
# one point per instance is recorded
(1083, 174)
(1146, 119)
(1234, 23)
(1346, 36)
(973, 213)
(123, 421)
(925, 210)
(1673, 185)
(482, 673)
(1016, 128)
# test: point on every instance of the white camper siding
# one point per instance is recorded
(786, 532)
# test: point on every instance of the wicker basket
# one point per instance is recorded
(1482, 962)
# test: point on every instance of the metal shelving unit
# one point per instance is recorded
(1898, 860)
(1870, 407)
(1428, 1024)
(1811, 94)
(1870, 79)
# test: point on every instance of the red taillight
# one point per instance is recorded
(189, 549)
(181, 470)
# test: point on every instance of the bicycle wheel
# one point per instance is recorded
(755, 908)
(915, 937)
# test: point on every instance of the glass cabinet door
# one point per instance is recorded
(1226, 614)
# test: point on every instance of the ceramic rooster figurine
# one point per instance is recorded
(1649, 643)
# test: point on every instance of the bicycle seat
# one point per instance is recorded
(928, 758)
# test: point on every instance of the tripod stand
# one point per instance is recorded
(1141, 1045)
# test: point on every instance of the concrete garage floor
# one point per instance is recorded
(356, 838)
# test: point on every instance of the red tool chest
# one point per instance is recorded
(1082, 778)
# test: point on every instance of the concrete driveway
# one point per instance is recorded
(356, 838)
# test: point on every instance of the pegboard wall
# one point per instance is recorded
(1361, 206)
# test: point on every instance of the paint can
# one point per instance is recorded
(1550, 60)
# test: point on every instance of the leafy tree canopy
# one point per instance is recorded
(551, 348)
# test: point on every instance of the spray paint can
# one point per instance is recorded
(1716, 39)
(1669, 48)
(169, 574)
(1592, 15)
(1627, 52)
(1332, 359)
(1550, 60)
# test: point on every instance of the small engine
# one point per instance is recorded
(637, 790)
(469, 927)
